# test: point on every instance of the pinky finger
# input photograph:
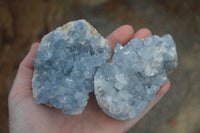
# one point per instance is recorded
(142, 34)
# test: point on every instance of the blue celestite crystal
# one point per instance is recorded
(65, 64)
(124, 87)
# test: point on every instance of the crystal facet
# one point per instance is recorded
(124, 87)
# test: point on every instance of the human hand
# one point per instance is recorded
(25, 116)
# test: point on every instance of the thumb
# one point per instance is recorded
(23, 81)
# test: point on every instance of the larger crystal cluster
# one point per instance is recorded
(124, 87)
(65, 64)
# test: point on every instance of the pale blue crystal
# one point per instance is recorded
(65, 64)
(124, 87)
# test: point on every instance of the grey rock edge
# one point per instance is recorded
(65, 64)
(124, 87)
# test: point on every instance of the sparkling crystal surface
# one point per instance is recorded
(65, 64)
(124, 87)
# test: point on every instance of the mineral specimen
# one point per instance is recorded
(124, 87)
(65, 64)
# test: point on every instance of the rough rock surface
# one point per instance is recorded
(65, 64)
(124, 87)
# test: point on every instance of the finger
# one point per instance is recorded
(25, 71)
(142, 34)
(160, 93)
(28, 60)
(121, 35)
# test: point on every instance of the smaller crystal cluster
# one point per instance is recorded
(65, 64)
(124, 87)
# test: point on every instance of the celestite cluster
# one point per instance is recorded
(124, 87)
(72, 61)
(65, 64)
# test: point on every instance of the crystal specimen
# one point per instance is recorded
(65, 64)
(124, 87)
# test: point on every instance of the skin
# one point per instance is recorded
(26, 116)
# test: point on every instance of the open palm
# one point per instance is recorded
(25, 116)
